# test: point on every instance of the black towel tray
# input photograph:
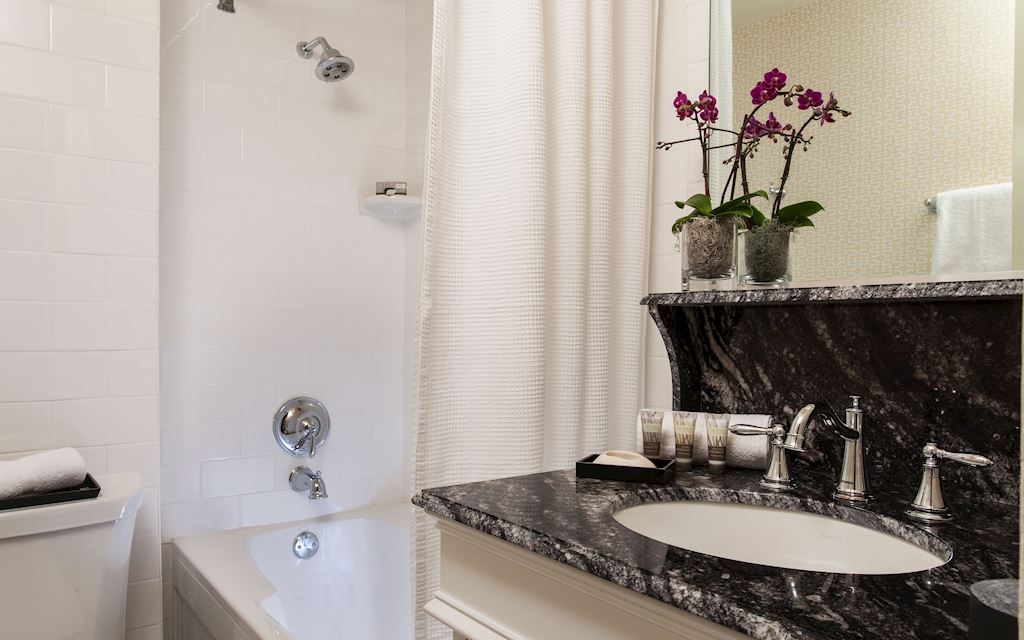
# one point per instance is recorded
(88, 490)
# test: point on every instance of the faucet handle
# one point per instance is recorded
(776, 432)
(831, 419)
(932, 451)
(748, 430)
(929, 505)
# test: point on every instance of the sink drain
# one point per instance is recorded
(305, 545)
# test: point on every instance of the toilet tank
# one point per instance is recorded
(65, 566)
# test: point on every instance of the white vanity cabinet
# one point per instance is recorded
(493, 590)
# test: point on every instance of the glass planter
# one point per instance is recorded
(767, 255)
(708, 248)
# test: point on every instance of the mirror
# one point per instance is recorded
(916, 180)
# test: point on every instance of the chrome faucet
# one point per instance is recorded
(304, 479)
(853, 479)
(853, 482)
(929, 504)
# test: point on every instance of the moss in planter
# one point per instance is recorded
(766, 251)
(710, 246)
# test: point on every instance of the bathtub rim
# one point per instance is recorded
(232, 578)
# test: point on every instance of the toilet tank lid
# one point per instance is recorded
(120, 496)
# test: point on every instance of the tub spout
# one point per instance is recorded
(304, 479)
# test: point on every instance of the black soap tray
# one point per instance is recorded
(88, 490)
(664, 469)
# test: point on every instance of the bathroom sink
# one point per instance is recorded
(777, 538)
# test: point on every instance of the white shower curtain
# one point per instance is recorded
(720, 85)
(536, 206)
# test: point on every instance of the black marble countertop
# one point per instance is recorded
(811, 292)
(570, 520)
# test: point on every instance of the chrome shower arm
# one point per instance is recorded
(305, 49)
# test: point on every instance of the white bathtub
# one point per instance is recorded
(247, 584)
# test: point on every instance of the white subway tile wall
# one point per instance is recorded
(682, 66)
(78, 249)
(272, 283)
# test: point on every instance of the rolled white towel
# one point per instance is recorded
(748, 452)
(41, 472)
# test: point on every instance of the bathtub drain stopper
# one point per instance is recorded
(305, 545)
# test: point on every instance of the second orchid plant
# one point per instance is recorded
(753, 130)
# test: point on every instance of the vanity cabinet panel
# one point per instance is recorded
(493, 590)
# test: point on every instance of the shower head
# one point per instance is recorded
(226, 5)
(332, 66)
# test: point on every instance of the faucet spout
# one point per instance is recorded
(318, 488)
(798, 427)
(304, 479)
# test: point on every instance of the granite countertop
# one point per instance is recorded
(570, 520)
(1008, 285)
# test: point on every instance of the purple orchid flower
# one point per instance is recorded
(772, 125)
(707, 104)
(775, 79)
(809, 100)
(684, 108)
(762, 93)
(757, 129)
(753, 128)
(827, 110)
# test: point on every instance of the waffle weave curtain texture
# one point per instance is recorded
(536, 218)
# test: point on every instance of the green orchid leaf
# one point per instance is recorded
(741, 211)
(737, 211)
(802, 221)
(677, 226)
(725, 206)
(798, 210)
(757, 218)
(698, 201)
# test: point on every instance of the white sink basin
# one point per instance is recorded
(777, 538)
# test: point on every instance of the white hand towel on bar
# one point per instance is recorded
(747, 452)
(41, 472)
(972, 230)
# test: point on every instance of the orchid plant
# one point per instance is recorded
(704, 113)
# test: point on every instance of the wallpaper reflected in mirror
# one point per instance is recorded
(929, 88)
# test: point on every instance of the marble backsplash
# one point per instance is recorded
(936, 365)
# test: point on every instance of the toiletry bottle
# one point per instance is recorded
(685, 426)
(650, 421)
(718, 430)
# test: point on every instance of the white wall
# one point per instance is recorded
(78, 248)
(273, 284)
(682, 66)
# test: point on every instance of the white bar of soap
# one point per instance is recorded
(623, 459)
